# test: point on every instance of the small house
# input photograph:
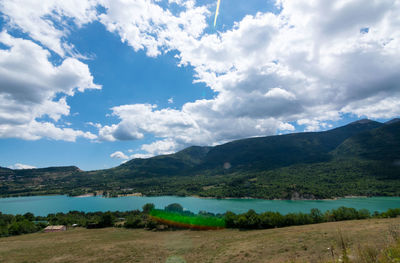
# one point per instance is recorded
(55, 228)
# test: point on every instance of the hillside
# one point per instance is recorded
(361, 158)
(378, 144)
(307, 243)
(283, 150)
(261, 153)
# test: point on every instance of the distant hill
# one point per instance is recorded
(254, 153)
(392, 121)
(179, 163)
(377, 144)
(283, 150)
(360, 158)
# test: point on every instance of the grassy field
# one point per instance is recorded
(297, 244)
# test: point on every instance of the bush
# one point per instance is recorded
(271, 220)
(148, 207)
(392, 212)
(3, 231)
(230, 219)
(150, 224)
(252, 220)
(363, 214)
(316, 215)
(22, 227)
(174, 208)
(135, 221)
(344, 213)
(107, 220)
(29, 216)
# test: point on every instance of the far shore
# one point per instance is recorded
(85, 195)
(279, 199)
(209, 197)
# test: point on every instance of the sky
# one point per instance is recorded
(94, 83)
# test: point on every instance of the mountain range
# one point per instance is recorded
(361, 158)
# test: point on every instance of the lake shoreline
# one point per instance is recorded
(204, 197)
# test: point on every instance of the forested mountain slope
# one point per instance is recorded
(361, 158)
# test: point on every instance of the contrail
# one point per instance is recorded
(216, 13)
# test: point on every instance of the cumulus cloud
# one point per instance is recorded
(141, 156)
(143, 24)
(119, 155)
(310, 63)
(29, 84)
(49, 22)
(22, 166)
(166, 146)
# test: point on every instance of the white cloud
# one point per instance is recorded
(47, 22)
(140, 156)
(171, 100)
(119, 155)
(34, 130)
(280, 93)
(311, 125)
(308, 64)
(22, 166)
(143, 24)
(166, 146)
(286, 127)
(160, 147)
(29, 84)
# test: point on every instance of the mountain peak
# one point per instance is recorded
(393, 121)
(362, 121)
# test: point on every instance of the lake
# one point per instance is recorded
(43, 205)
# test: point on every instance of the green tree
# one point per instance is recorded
(29, 216)
(344, 213)
(175, 207)
(148, 207)
(363, 214)
(22, 227)
(107, 220)
(3, 231)
(253, 221)
(316, 215)
(230, 219)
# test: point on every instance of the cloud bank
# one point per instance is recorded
(29, 84)
(306, 65)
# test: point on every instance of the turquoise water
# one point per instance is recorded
(43, 205)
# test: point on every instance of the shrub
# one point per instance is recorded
(135, 221)
(363, 214)
(107, 220)
(148, 207)
(174, 208)
(22, 227)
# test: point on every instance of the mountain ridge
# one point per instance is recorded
(354, 159)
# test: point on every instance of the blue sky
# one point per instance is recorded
(96, 83)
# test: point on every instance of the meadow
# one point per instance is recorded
(362, 241)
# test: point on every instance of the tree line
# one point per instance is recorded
(253, 220)
(29, 223)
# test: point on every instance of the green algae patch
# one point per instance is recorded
(184, 220)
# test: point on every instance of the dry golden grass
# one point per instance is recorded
(299, 243)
